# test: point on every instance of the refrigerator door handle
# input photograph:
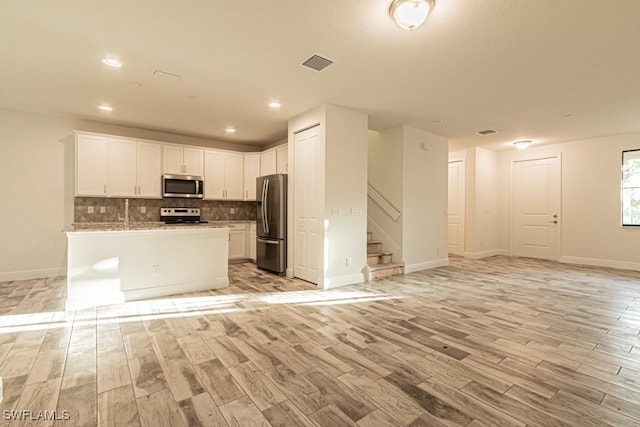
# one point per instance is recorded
(269, 242)
(264, 227)
(266, 210)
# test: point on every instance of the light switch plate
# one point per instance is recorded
(90, 209)
(143, 209)
(103, 209)
(356, 211)
(335, 211)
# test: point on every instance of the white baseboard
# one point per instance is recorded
(289, 273)
(410, 268)
(349, 279)
(33, 274)
(180, 288)
(485, 254)
(600, 262)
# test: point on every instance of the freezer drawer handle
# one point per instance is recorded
(270, 242)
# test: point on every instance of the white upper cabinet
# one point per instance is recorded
(233, 175)
(251, 172)
(181, 160)
(193, 161)
(268, 162)
(91, 165)
(282, 159)
(122, 179)
(213, 175)
(149, 170)
(223, 175)
(117, 167)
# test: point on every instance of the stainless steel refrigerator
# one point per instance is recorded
(271, 223)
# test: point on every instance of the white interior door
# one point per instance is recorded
(535, 213)
(307, 215)
(456, 208)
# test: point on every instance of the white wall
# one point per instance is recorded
(345, 189)
(590, 213)
(485, 239)
(424, 207)
(35, 157)
(32, 214)
(343, 141)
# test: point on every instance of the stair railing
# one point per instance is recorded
(384, 204)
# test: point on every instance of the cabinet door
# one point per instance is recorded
(213, 175)
(252, 241)
(149, 170)
(122, 168)
(172, 159)
(237, 243)
(268, 163)
(251, 172)
(233, 179)
(91, 166)
(282, 159)
(193, 160)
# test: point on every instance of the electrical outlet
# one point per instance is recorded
(347, 261)
(103, 209)
(232, 211)
(156, 270)
(90, 209)
(143, 209)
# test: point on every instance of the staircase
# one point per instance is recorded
(380, 263)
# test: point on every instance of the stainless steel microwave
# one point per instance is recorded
(183, 186)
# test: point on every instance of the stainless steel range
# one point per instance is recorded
(181, 216)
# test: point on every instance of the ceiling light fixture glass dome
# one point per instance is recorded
(410, 14)
(522, 145)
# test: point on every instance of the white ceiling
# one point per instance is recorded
(516, 66)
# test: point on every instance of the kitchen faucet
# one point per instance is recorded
(126, 214)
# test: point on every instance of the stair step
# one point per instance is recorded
(387, 269)
(374, 246)
(386, 265)
(375, 258)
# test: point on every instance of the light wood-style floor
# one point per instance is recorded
(494, 342)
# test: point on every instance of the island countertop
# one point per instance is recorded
(158, 225)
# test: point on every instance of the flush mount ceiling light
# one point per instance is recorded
(230, 129)
(410, 14)
(112, 62)
(275, 105)
(522, 145)
(105, 107)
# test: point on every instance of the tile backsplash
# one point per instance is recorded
(210, 210)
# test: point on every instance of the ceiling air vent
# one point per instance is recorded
(487, 132)
(317, 63)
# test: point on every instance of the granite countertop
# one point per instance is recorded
(119, 226)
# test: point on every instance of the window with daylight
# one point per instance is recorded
(631, 188)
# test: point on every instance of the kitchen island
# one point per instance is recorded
(114, 265)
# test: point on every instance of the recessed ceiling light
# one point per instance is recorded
(522, 145)
(105, 107)
(275, 104)
(112, 62)
(230, 129)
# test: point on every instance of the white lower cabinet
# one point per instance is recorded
(252, 241)
(237, 241)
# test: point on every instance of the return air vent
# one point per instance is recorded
(317, 63)
(487, 132)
